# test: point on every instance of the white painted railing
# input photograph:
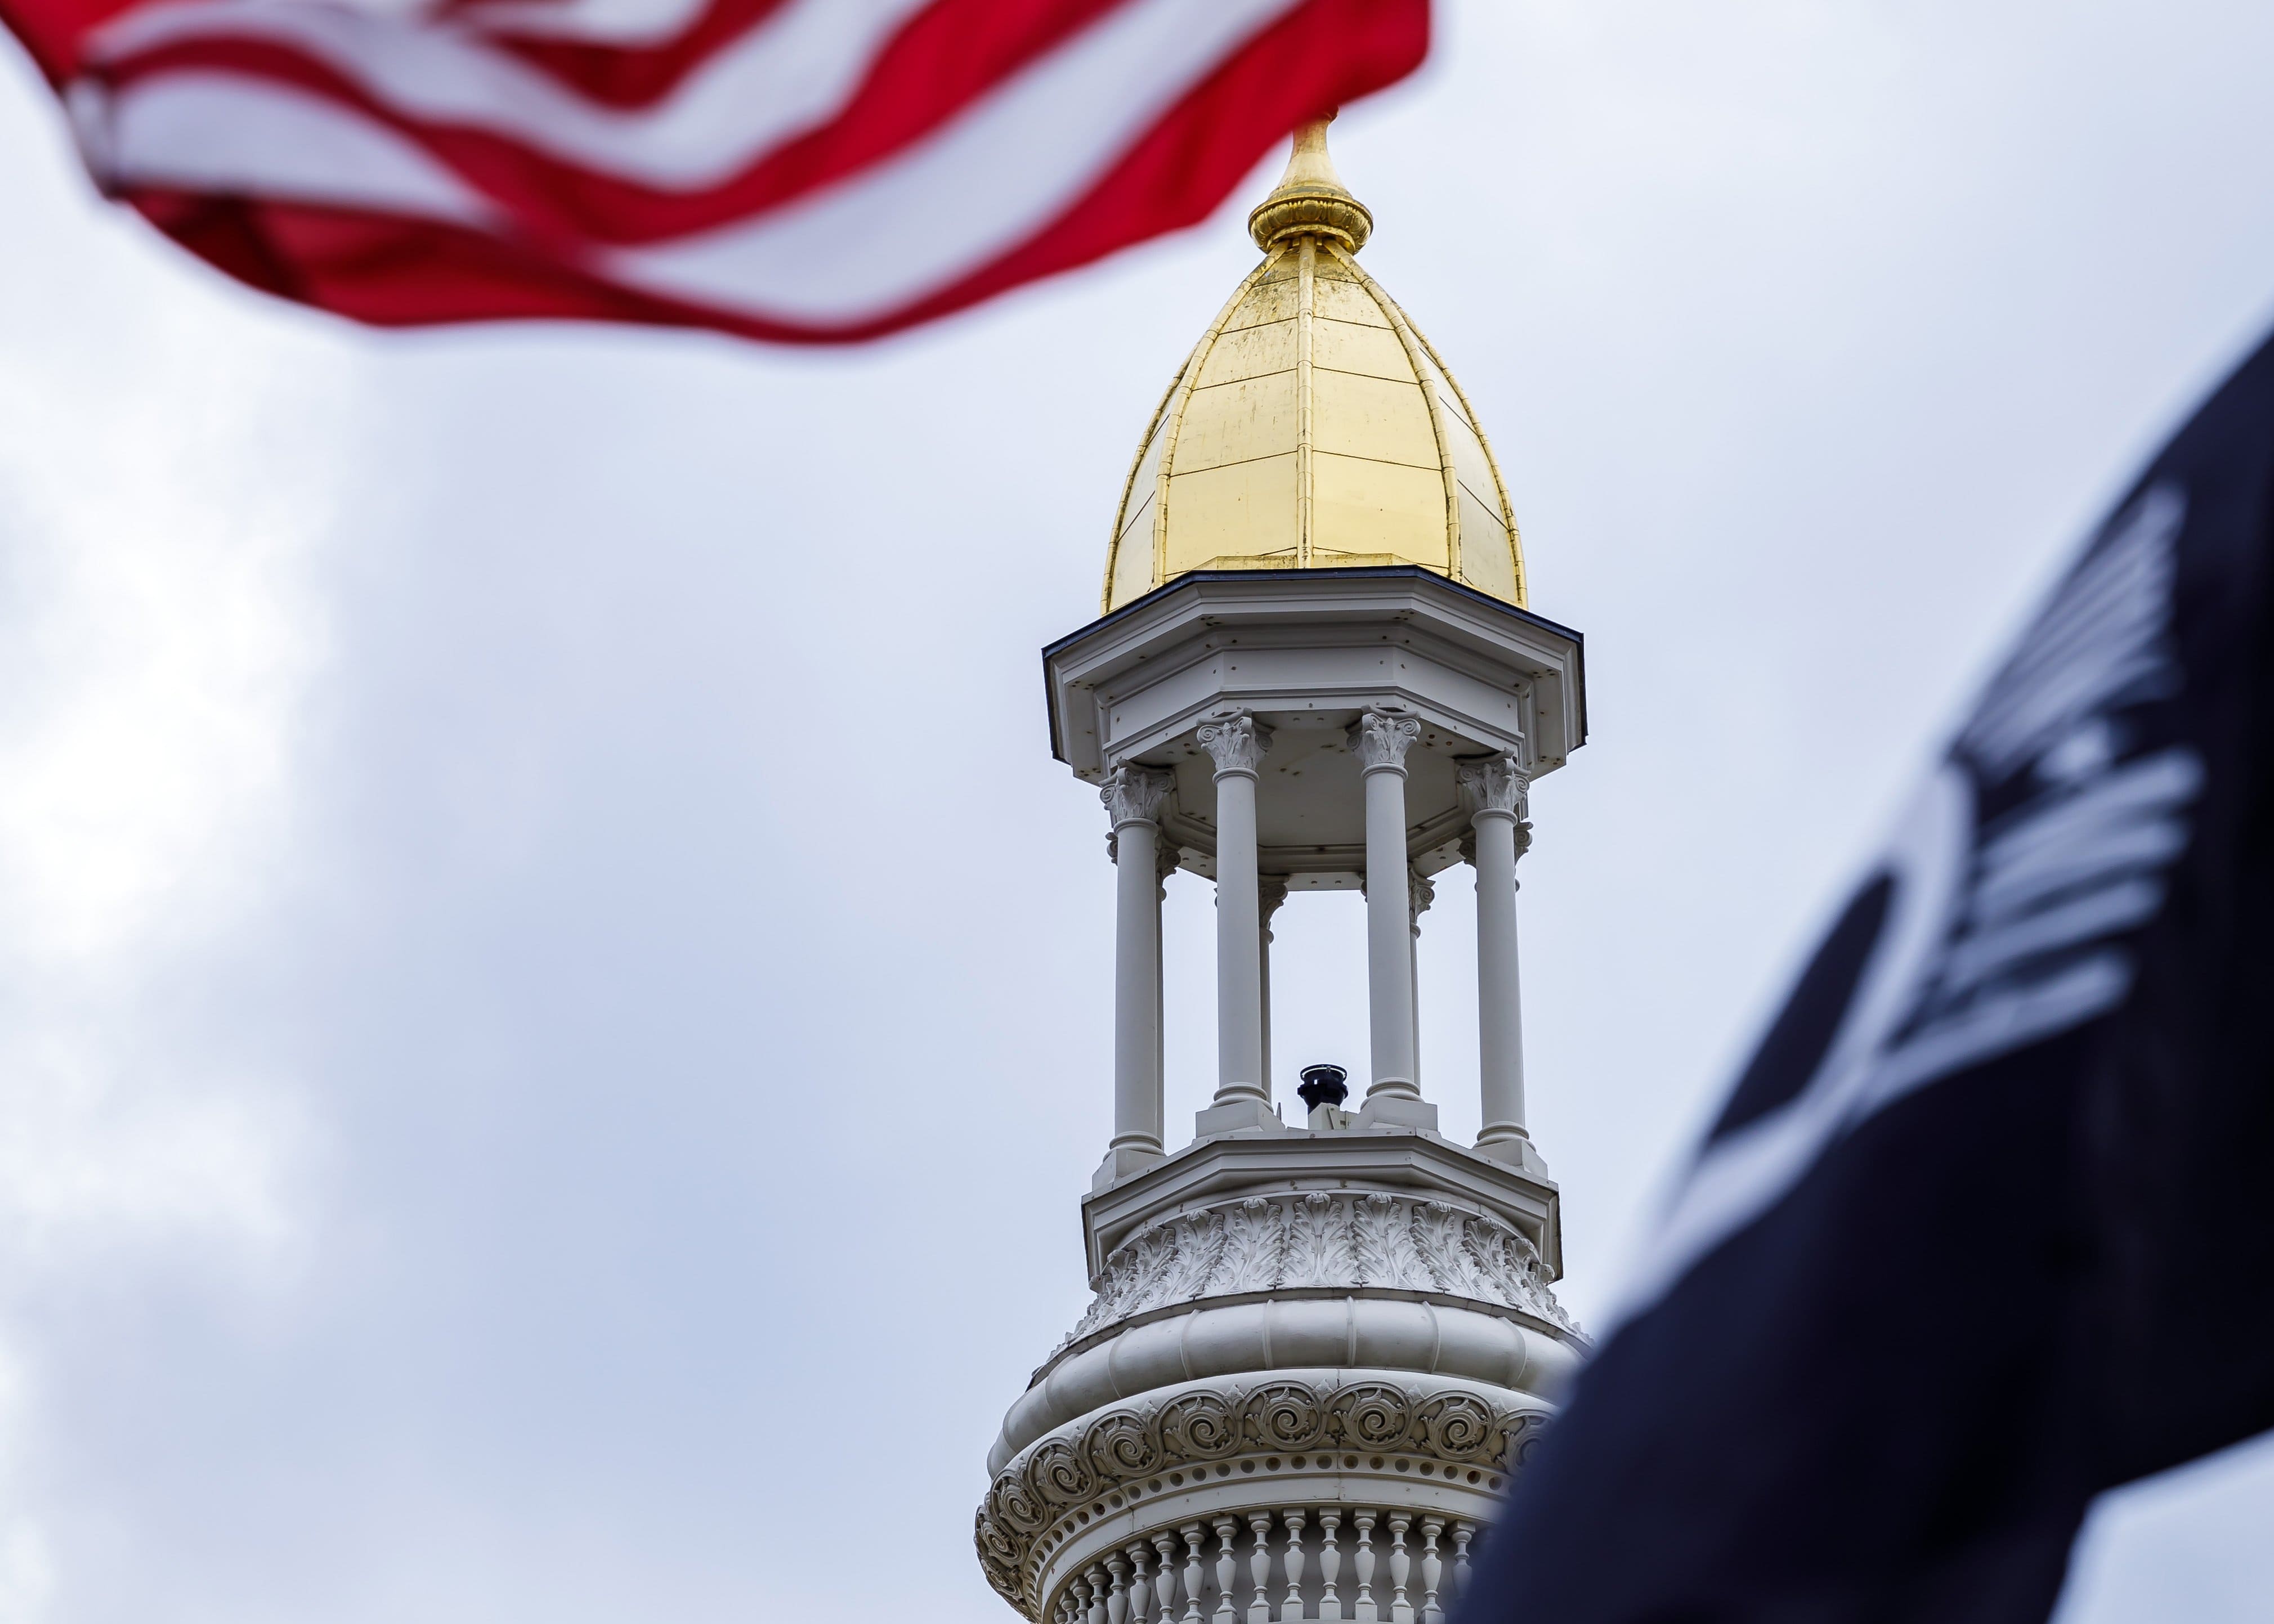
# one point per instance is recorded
(1391, 1564)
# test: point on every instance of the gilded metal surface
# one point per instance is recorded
(1313, 425)
(1310, 200)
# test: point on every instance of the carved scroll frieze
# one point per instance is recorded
(1052, 1483)
(1318, 1239)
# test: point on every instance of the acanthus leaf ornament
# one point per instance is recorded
(1199, 1246)
(1442, 1230)
(1494, 784)
(1135, 795)
(1236, 743)
(1254, 1234)
(1318, 1242)
(1420, 892)
(1315, 1240)
(1382, 1226)
(1381, 738)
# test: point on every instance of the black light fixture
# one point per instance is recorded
(1324, 1084)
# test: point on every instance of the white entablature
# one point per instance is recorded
(1304, 654)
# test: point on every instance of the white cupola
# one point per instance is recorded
(1320, 1340)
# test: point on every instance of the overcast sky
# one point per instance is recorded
(553, 1005)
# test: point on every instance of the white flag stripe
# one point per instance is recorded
(2090, 987)
(792, 73)
(2098, 636)
(2095, 913)
(626, 24)
(2046, 869)
(910, 225)
(2103, 603)
(2106, 608)
(218, 132)
(899, 231)
(2146, 787)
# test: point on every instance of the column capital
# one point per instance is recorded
(1135, 795)
(1381, 738)
(1236, 743)
(1493, 786)
(1420, 892)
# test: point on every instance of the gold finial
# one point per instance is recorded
(1310, 198)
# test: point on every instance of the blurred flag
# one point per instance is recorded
(1987, 1224)
(805, 171)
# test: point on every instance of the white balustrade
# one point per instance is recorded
(1280, 1567)
(1433, 1569)
(1362, 1523)
(1226, 1529)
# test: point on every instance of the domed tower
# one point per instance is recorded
(1320, 1338)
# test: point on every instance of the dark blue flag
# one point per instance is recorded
(1987, 1224)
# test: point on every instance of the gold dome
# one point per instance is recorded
(1314, 427)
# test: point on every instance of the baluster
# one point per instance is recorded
(1401, 1611)
(1291, 1610)
(1140, 1586)
(1064, 1614)
(1193, 1533)
(1362, 1536)
(1097, 1593)
(1226, 1528)
(1463, 1530)
(1078, 1589)
(1165, 1543)
(1433, 1570)
(1259, 1569)
(1117, 1600)
(1331, 1562)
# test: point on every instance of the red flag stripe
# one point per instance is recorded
(766, 88)
(898, 105)
(808, 171)
(886, 236)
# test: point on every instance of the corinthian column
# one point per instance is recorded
(1382, 739)
(1133, 797)
(1494, 791)
(1236, 745)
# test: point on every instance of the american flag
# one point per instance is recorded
(808, 171)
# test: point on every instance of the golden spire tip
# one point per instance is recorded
(1310, 200)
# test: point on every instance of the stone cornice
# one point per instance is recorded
(1211, 1171)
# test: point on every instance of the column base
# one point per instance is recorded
(1235, 1116)
(1396, 1110)
(1125, 1162)
(1516, 1151)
